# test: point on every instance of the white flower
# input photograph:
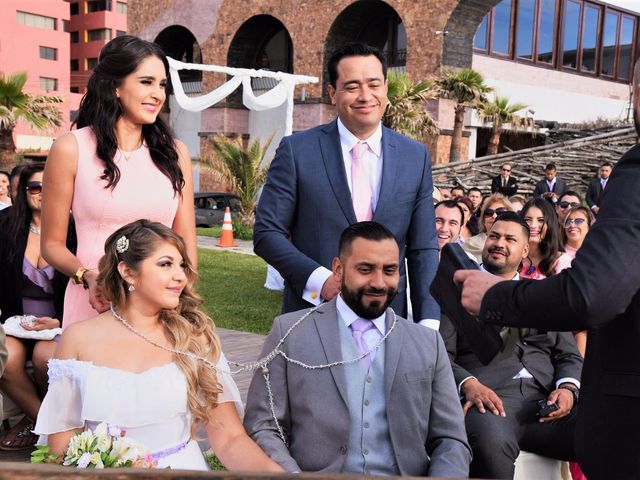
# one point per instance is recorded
(126, 450)
(101, 430)
(84, 460)
(115, 431)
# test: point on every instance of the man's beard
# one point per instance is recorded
(494, 267)
(353, 298)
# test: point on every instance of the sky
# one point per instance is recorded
(633, 5)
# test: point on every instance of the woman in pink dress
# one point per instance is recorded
(120, 165)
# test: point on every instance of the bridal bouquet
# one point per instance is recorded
(106, 447)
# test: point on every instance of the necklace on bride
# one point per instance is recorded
(34, 229)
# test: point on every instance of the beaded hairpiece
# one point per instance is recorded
(122, 245)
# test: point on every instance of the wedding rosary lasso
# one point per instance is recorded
(262, 363)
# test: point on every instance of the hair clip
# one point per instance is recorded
(122, 245)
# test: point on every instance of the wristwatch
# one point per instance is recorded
(78, 277)
(575, 391)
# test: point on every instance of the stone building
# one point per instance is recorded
(419, 37)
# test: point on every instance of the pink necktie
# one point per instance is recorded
(358, 328)
(360, 186)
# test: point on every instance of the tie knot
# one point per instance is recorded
(358, 150)
(362, 325)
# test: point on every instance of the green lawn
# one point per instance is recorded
(232, 287)
(209, 232)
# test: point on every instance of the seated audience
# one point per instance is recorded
(469, 229)
(500, 399)
(387, 406)
(517, 201)
(546, 255)
(566, 202)
(492, 206)
(449, 220)
(5, 190)
(28, 286)
(457, 192)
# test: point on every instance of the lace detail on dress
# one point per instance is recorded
(69, 368)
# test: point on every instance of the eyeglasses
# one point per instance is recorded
(490, 212)
(34, 188)
(564, 204)
(570, 221)
(506, 169)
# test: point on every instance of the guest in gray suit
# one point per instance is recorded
(499, 399)
(387, 405)
(324, 179)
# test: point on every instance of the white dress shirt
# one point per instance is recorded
(373, 159)
(372, 336)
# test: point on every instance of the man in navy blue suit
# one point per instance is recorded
(324, 179)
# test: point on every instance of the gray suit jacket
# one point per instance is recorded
(425, 417)
(306, 204)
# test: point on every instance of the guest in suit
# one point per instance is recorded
(504, 183)
(599, 292)
(597, 186)
(551, 187)
(410, 421)
(499, 399)
(324, 179)
(449, 222)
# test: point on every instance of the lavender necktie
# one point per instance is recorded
(358, 328)
(360, 184)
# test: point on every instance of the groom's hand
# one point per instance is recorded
(474, 286)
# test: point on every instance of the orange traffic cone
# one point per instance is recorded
(226, 236)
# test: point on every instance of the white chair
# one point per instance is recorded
(530, 466)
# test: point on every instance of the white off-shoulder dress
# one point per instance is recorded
(151, 406)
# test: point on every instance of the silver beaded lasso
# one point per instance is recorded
(262, 363)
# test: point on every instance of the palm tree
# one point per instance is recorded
(39, 111)
(242, 167)
(467, 88)
(498, 111)
(406, 112)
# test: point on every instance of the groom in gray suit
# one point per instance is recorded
(324, 179)
(381, 400)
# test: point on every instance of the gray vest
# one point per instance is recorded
(370, 451)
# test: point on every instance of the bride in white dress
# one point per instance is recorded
(152, 365)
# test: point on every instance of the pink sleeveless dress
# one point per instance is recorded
(142, 192)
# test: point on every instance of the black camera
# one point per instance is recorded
(544, 410)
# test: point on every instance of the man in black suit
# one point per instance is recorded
(504, 183)
(551, 186)
(500, 399)
(598, 292)
(597, 186)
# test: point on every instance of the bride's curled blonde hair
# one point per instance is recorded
(187, 327)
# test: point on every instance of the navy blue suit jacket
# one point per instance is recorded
(306, 204)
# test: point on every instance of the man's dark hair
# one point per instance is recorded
(571, 193)
(451, 204)
(606, 164)
(353, 49)
(515, 218)
(474, 189)
(368, 230)
(550, 166)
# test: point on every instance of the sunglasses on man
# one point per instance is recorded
(564, 204)
(34, 188)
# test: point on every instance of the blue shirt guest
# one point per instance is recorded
(381, 399)
(324, 179)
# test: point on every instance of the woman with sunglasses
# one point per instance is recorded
(121, 164)
(28, 286)
(546, 253)
(492, 206)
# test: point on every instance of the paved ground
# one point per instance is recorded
(244, 246)
(237, 346)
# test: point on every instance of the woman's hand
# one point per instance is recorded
(40, 323)
(96, 299)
